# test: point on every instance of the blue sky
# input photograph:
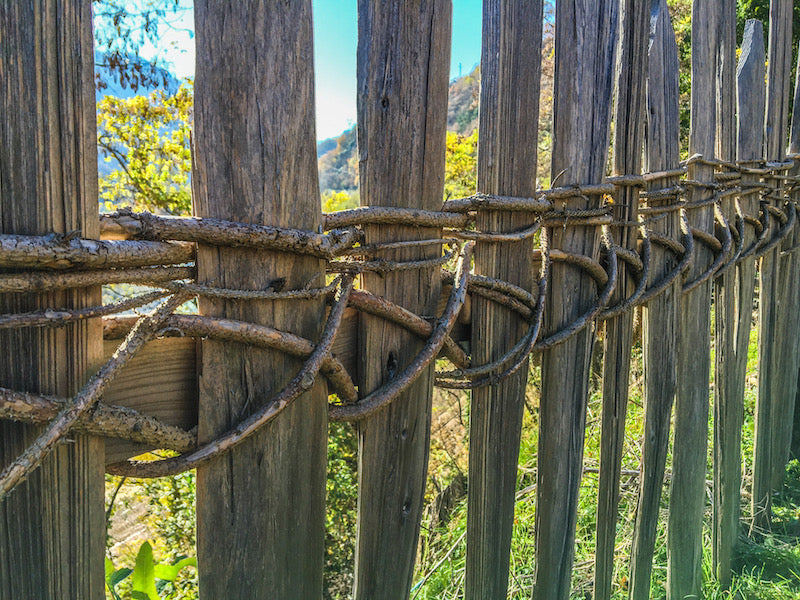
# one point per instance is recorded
(335, 40)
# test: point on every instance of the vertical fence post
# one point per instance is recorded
(730, 308)
(794, 152)
(51, 527)
(767, 476)
(261, 508)
(788, 325)
(629, 114)
(403, 66)
(737, 290)
(661, 318)
(584, 68)
(507, 152)
(687, 489)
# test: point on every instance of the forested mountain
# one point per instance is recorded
(338, 158)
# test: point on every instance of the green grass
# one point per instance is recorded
(767, 568)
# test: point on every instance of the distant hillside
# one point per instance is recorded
(338, 158)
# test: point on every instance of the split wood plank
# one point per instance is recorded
(261, 507)
(737, 292)
(767, 475)
(584, 69)
(507, 160)
(788, 325)
(629, 111)
(402, 73)
(794, 150)
(161, 381)
(661, 321)
(687, 489)
(728, 404)
(51, 534)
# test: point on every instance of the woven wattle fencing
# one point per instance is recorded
(306, 318)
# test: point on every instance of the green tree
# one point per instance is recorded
(147, 140)
(121, 29)
(461, 171)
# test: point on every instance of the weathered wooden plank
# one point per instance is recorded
(728, 307)
(51, 527)
(661, 322)
(737, 293)
(794, 150)
(584, 68)
(629, 111)
(507, 154)
(766, 475)
(687, 489)
(788, 326)
(161, 380)
(403, 62)
(254, 142)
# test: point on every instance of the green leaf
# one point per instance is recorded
(119, 575)
(143, 577)
(170, 572)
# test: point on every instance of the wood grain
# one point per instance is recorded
(402, 74)
(661, 321)
(767, 462)
(584, 68)
(629, 111)
(161, 381)
(51, 534)
(734, 299)
(788, 326)
(261, 507)
(687, 489)
(507, 155)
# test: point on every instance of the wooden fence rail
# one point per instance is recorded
(242, 390)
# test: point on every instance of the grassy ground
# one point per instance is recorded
(767, 568)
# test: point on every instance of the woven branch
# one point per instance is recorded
(44, 281)
(95, 262)
(301, 382)
(103, 420)
(53, 252)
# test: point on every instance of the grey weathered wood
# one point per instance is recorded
(629, 112)
(729, 415)
(794, 149)
(584, 69)
(732, 314)
(161, 380)
(661, 318)
(261, 507)
(788, 326)
(51, 527)
(402, 72)
(687, 489)
(767, 464)
(507, 154)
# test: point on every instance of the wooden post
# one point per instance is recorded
(584, 68)
(794, 150)
(769, 405)
(260, 508)
(51, 527)
(403, 65)
(788, 325)
(687, 489)
(507, 151)
(629, 111)
(661, 318)
(732, 315)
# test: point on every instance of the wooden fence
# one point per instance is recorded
(235, 390)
